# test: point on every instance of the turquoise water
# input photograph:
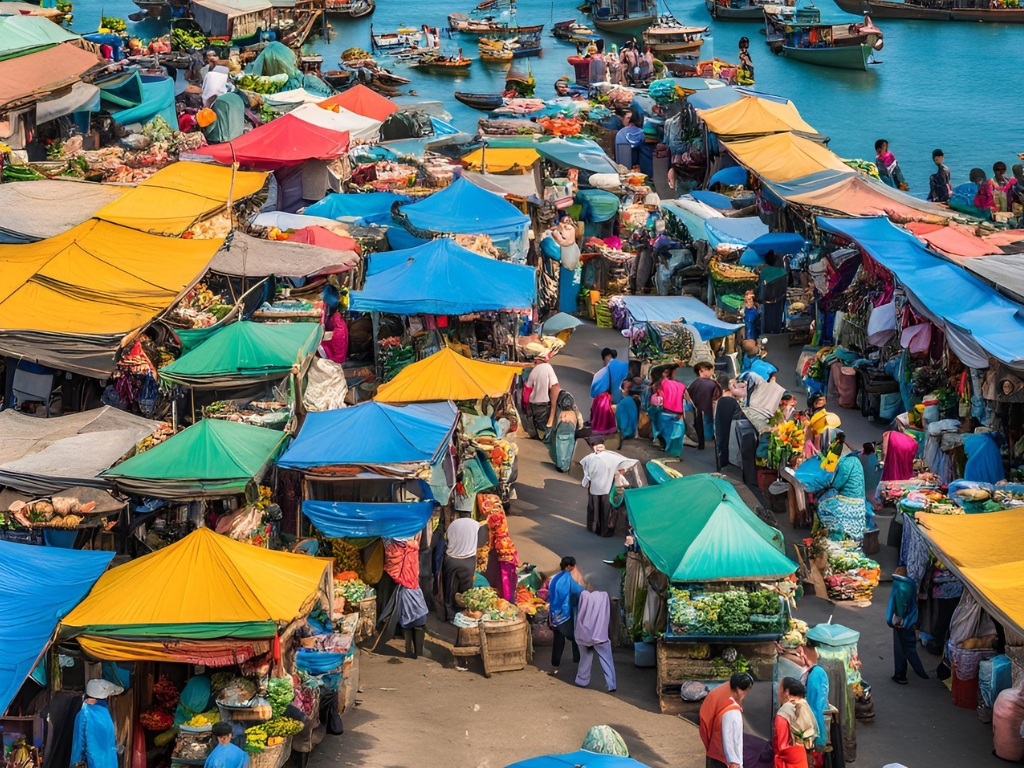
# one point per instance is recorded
(950, 85)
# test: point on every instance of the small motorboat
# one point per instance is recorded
(669, 37)
(485, 102)
(495, 51)
(572, 31)
(460, 22)
(441, 64)
(403, 38)
(840, 46)
(522, 41)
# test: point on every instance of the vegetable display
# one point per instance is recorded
(202, 719)
(270, 733)
(353, 590)
(483, 603)
(280, 692)
(727, 614)
(188, 40)
(265, 84)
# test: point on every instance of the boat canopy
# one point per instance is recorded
(20, 35)
(783, 156)
(36, 74)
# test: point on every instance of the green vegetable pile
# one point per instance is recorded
(187, 40)
(353, 590)
(256, 737)
(280, 692)
(764, 603)
(265, 84)
(480, 598)
(20, 173)
(717, 613)
(115, 25)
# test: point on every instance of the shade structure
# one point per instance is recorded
(447, 375)
(243, 255)
(784, 156)
(68, 301)
(281, 143)
(363, 101)
(679, 309)
(579, 759)
(372, 434)
(36, 74)
(372, 208)
(361, 520)
(697, 529)
(463, 207)
(443, 278)
(243, 352)
(504, 154)
(739, 231)
(977, 318)
(210, 459)
(38, 587)
(754, 116)
(20, 35)
(324, 238)
(176, 197)
(35, 210)
(203, 587)
(358, 127)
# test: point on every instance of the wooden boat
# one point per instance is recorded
(841, 46)
(353, 9)
(521, 41)
(463, 24)
(491, 5)
(485, 102)
(938, 10)
(495, 51)
(572, 31)
(669, 37)
(440, 64)
(403, 38)
(338, 78)
(734, 10)
(623, 17)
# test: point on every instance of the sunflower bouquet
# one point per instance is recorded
(785, 443)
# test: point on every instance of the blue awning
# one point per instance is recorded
(361, 520)
(714, 199)
(372, 434)
(679, 309)
(736, 231)
(973, 313)
(38, 587)
(443, 278)
(373, 208)
(463, 207)
(781, 242)
(713, 97)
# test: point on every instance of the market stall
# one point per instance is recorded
(726, 583)
(260, 621)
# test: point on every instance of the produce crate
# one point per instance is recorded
(675, 667)
(367, 625)
(244, 714)
(272, 757)
(502, 645)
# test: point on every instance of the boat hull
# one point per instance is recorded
(668, 49)
(843, 57)
(633, 25)
(881, 9)
(485, 102)
(727, 13)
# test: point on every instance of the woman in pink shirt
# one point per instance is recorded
(667, 420)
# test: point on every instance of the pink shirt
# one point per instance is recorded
(672, 394)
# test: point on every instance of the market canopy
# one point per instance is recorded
(203, 587)
(373, 433)
(245, 351)
(984, 552)
(245, 256)
(755, 116)
(463, 207)
(20, 35)
(358, 127)
(784, 156)
(679, 309)
(579, 759)
(500, 154)
(213, 458)
(977, 318)
(34, 210)
(697, 529)
(739, 231)
(37, 74)
(447, 375)
(363, 101)
(38, 587)
(281, 143)
(371, 208)
(363, 520)
(443, 278)
(176, 197)
(68, 301)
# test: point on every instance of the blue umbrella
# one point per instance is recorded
(579, 759)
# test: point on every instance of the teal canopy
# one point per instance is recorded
(697, 529)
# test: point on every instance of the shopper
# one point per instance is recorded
(794, 728)
(703, 393)
(94, 743)
(225, 754)
(540, 392)
(564, 591)
(940, 188)
(592, 619)
(721, 722)
(902, 617)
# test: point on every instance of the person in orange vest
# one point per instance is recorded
(721, 722)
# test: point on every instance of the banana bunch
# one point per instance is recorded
(68, 522)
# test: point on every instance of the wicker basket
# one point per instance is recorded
(272, 757)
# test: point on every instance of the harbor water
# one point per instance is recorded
(954, 86)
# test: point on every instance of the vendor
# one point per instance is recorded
(94, 744)
(458, 570)
(334, 347)
(540, 392)
(225, 754)
(842, 510)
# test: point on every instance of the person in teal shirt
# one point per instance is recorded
(94, 743)
(225, 754)
(817, 693)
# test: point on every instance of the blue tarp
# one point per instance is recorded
(443, 278)
(373, 208)
(973, 313)
(714, 199)
(38, 587)
(373, 433)
(579, 759)
(576, 153)
(733, 176)
(781, 242)
(360, 520)
(674, 309)
(713, 97)
(737, 231)
(463, 207)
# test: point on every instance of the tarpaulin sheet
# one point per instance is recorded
(735, 231)
(83, 97)
(44, 71)
(34, 210)
(697, 529)
(503, 154)
(20, 35)
(676, 309)
(783, 156)
(952, 239)
(376, 434)
(281, 143)
(363, 101)
(693, 214)
(243, 255)
(372, 208)
(209, 653)
(464, 207)
(361, 520)
(45, 456)
(754, 116)
(157, 101)
(579, 759)
(954, 298)
(213, 458)
(174, 198)
(246, 351)
(204, 586)
(443, 278)
(1005, 272)
(447, 375)
(339, 119)
(38, 586)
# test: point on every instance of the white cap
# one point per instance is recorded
(101, 689)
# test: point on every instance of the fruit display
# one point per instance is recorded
(270, 733)
(850, 575)
(60, 512)
(265, 84)
(727, 614)
(203, 719)
(188, 40)
(353, 590)
(112, 24)
(484, 604)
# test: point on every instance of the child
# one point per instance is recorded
(985, 199)
(703, 393)
(751, 316)
(939, 186)
(888, 168)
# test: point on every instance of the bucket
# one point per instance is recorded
(645, 655)
(778, 497)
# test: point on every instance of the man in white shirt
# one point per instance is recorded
(542, 390)
(600, 470)
(458, 568)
